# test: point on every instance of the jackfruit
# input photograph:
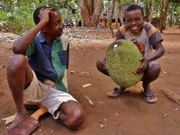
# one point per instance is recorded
(122, 60)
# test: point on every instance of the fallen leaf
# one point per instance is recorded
(101, 102)
(86, 85)
(82, 73)
(88, 72)
(101, 124)
(52, 131)
(164, 115)
(2, 66)
(72, 72)
(164, 72)
(9, 119)
(178, 73)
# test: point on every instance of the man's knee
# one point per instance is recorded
(16, 62)
(154, 69)
(99, 65)
(154, 66)
(76, 118)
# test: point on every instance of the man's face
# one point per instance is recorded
(134, 21)
(55, 26)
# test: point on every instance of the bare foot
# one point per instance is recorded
(19, 118)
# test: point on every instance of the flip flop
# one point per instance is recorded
(150, 101)
(115, 93)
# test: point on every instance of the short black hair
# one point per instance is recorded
(36, 13)
(133, 7)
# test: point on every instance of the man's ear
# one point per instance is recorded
(44, 29)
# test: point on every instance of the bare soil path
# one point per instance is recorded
(125, 115)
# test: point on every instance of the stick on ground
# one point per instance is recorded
(171, 95)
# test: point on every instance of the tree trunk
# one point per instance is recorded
(146, 10)
(90, 6)
(171, 17)
(151, 11)
(96, 14)
(47, 3)
(34, 6)
(163, 15)
(88, 19)
(111, 17)
(121, 13)
(116, 13)
(137, 2)
(149, 6)
(84, 13)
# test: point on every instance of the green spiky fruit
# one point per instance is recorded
(122, 60)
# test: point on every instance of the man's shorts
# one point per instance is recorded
(47, 96)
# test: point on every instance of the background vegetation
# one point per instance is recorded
(16, 15)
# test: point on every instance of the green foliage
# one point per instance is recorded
(125, 2)
(173, 13)
(67, 8)
(17, 14)
(2, 15)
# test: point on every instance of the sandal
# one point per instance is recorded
(115, 93)
(152, 99)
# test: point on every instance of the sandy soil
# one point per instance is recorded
(125, 115)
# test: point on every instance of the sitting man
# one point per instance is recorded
(38, 77)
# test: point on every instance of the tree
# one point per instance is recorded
(116, 11)
(149, 9)
(17, 14)
(174, 13)
(111, 17)
(163, 15)
(90, 12)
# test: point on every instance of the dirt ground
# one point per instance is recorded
(125, 115)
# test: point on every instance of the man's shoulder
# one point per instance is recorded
(150, 29)
(123, 29)
(147, 26)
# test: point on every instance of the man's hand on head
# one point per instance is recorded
(45, 13)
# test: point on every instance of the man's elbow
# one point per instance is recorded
(163, 50)
(16, 49)
(160, 48)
